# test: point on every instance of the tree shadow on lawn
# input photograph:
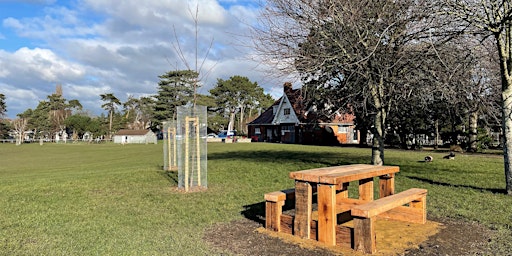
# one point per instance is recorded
(327, 159)
(171, 176)
(445, 184)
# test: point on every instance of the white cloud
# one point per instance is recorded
(44, 64)
(121, 47)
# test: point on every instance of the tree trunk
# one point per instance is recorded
(473, 133)
(231, 121)
(504, 47)
(241, 124)
(378, 139)
(110, 125)
(507, 136)
(363, 136)
(379, 123)
(436, 146)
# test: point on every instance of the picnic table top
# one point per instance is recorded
(341, 174)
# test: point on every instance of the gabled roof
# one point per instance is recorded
(127, 132)
(266, 117)
(294, 96)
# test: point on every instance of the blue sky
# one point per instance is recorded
(91, 47)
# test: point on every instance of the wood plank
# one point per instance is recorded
(357, 174)
(404, 213)
(275, 196)
(346, 204)
(269, 212)
(366, 189)
(303, 201)
(326, 214)
(286, 224)
(364, 235)
(387, 203)
(345, 237)
(386, 185)
(312, 175)
(273, 212)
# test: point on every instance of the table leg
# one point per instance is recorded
(387, 185)
(327, 214)
(366, 189)
(303, 201)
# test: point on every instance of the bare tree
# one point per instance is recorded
(491, 18)
(20, 125)
(197, 67)
(363, 46)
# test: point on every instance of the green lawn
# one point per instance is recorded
(107, 199)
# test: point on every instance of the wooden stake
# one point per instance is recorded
(175, 151)
(198, 151)
(169, 160)
(186, 152)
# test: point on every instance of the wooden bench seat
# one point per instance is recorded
(274, 202)
(389, 207)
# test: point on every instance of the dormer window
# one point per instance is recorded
(286, 111)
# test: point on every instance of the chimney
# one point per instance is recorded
(287, 87)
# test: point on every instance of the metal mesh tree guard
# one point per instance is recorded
(191, 136)
(170, 150)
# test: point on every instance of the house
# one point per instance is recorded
(287, 121)
(126, 136)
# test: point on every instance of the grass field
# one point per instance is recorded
(107, 199)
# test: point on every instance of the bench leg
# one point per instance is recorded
(364, 235)
(303, 201)
(273, 212)
(421, 205)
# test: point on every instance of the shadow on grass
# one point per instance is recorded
(327, 159)
(439, 183)
(171, 176)
(256, 212)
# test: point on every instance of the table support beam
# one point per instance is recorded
(327, 214)
(387, 185)
(303, 201)
(366, 189)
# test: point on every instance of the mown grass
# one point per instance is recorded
(81, 199)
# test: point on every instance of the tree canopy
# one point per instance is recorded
(175, 88)
(237, 95)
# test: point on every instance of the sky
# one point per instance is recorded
(93, 47)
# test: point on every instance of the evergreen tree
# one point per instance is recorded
(175, 88)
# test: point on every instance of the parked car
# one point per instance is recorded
(212, 135)
(226, 134)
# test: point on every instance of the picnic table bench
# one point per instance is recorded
(330, 185)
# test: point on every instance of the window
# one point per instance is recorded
(286, 111)
(342, 129)
(287, 128)
(257, 130)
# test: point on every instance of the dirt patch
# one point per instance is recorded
(442, 237)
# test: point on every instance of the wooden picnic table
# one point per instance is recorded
(332, 189)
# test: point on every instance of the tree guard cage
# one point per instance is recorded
(191, 136)
(170, 150)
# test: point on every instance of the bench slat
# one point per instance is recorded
(387, 203)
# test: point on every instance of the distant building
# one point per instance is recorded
(287, 121)
(126, 136)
